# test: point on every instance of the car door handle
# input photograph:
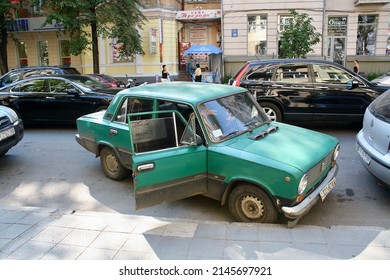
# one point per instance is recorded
(113, 131)
(321, 87)
(49, 97)
(145, 167)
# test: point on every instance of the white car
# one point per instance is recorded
(373, 140)
(11, 129)
(382, 80)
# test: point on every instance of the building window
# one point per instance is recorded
(366, 35)
(65, 53)
(117, 56)
(22, 53)
(257, 35)
(43, 52)
(283, 22)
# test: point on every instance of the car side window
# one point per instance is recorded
(292, 73)
(324, 73)
(31, 86)
(133, 105)
(59, 86)
(12, 77)
(259, 73)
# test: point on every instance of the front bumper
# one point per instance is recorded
(8, 143)
(304, 207)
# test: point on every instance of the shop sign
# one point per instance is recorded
(198, 14)
(234, 32)
(153, 40)
(337, 21)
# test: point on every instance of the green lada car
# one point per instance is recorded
(182, 139)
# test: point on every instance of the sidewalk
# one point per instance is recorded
(31, 233)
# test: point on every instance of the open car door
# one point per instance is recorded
(169, 159)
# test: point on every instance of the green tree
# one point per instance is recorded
(6, 16)
(85, 20)
(299, 36)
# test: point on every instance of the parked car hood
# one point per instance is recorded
(295, 146)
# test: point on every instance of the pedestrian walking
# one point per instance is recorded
(164, 74)
(198, 73)
(356, 68)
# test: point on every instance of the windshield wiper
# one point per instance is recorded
(230, 134)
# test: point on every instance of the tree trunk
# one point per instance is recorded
(3, 46)
(95, 49)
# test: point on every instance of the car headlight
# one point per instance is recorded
(336, 152)
(302, 184)
(11, 113)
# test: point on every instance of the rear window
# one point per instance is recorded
(380, 107)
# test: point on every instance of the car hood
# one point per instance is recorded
(298, 147)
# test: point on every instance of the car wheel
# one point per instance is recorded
(250, 204)
(3, 152)
(111, 165)
(272, 111)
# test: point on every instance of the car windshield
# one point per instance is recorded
(88, 82)
(230, 116)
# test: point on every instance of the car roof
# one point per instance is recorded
(290, 60)
(186, 92)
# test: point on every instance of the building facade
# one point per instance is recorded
(243, 29)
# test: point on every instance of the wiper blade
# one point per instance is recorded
(230, 134)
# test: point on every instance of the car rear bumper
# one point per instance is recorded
(88, 144)
(304, 207)
(375, 162)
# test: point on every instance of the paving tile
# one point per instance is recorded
(64, 252)
(180, 230)
(12, 217)
(212, 231)
(241, 250)
(206, 248)
(275, 233)
(14, 231)
(52, 234)
(4, 242)
(110, 240)
(31, 250)
(139, 243)
(239, 231)
(308, 235)
(127, 255)
(80, 237)
(169, 245)
(97, 254)
(33, 218)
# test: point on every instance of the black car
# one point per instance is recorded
(28, 72)
(108, 80)
(307, 90)
(56, 99)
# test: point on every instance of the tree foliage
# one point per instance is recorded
(299, 36)
(6, 15)
(85, 20)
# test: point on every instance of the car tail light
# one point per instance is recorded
(112, 84)
(239, 75)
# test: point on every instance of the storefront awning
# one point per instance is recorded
(203, 49)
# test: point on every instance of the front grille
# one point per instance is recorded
(315, 172)
(4, 122)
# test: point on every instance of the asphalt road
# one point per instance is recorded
(49, 169)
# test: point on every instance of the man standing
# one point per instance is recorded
(198, 73)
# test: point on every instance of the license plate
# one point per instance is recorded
(327, 189)
(7, 133)
(364, 156)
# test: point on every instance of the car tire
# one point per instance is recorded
(111, 165)
(250, 204)
(272, 111)
(3, 152)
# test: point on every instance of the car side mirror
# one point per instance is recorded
(73, 91)
(352, 84)
(199, 141)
